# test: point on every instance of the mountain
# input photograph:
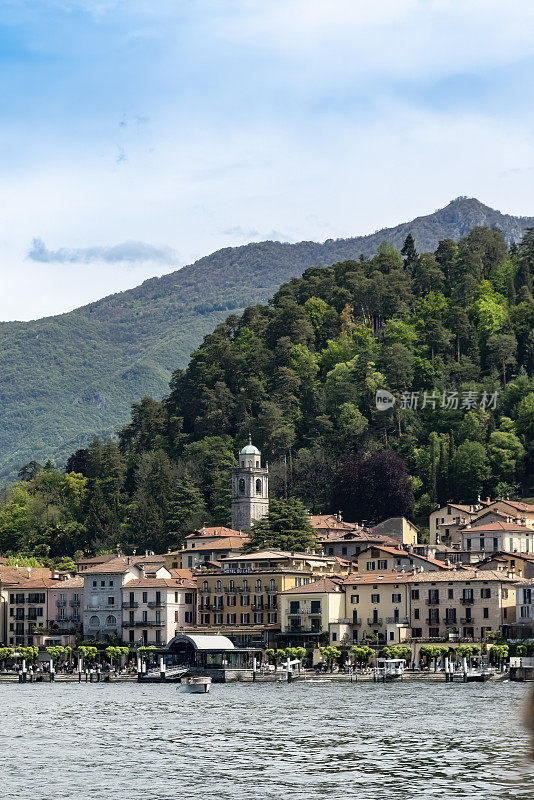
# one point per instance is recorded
(66, 378)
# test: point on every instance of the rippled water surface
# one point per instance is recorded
(306, 740)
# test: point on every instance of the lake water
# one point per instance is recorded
(305, 740)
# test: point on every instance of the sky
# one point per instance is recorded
(137, 136)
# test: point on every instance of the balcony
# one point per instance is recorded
(146, 624)
(126, 604)
(244, 589)
(74, 603)
(377, 621)
(204, 590)
(399, 621)
(466, 621)
(230, 590)
(157, 603)
(101, 607)
(304, 612)
(433, 623)
(432, 601)
(467, 601)
(61, 603)
(304, 629)
(271, 590)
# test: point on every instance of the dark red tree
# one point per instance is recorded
(374, 488)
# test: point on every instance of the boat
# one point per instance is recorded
(388, 669)
(474, 675)
(195, 684)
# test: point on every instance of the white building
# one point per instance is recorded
(511, 537)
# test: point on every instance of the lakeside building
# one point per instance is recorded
(389, 608)
(240, 595)
(103, 585)
(313, 614)
(378, 607)
(524, 624)
(469, 604)
(43, 610)
(155, 608)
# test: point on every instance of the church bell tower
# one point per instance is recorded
(250, 489)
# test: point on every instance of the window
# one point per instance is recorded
(231, 619)
(433, 633)
(188, 598)
(485, 592)
(343, 551)
(334, 636)
(102, 583)
(232, 600)
(450, 616)
(205, 619)
(416, 613)
(370, 566)
(188, 617)
(111, 601)
(272, 618)
(450, 594)
(330, 551)
(111, 583)
(217, 619)
(258, 485)
(94, 622)
(383, 564)
(486, 613)
(415, 594)
(131, 619)
(144, 617)
(258, 619)
(395, 598)
(315, 606)
(94, 584)
(417, 633)
(245, 619)
(245, 599)
(355, 598)
(375, 598)
(111, 620)
(131, 635)
(218, 586)
(241, 486)
(158, 635)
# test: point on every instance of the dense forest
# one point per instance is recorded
(449, 333)
(95, 361)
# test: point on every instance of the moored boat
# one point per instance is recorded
(195, 684)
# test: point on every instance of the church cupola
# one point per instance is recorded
(250, 488)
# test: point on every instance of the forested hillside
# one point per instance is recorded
(449, 333)
(64, 379)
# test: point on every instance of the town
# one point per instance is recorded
(377, 587)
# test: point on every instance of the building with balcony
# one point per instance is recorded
(467, 604)
(240, 597)
(314, 614)
(102, 595)
(524, 624)
(154, 610)
(377, 607)
(39, 611)
(206, 546)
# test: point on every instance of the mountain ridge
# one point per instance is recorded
(94, 361)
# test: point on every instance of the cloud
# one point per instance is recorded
(126, 252)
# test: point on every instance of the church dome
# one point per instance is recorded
(249, 450)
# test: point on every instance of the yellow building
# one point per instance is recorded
(377, 606)
(314, 614)
(240, 598)
(387, 559)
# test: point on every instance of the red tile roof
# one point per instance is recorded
(322, 586)
(498, 526)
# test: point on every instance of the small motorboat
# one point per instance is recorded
(195, 684)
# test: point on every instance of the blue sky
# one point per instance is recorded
(137, 136)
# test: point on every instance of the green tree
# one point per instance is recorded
(285, 527)
(470, 471)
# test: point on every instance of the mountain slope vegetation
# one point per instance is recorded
(65, 378)
(449, 334)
